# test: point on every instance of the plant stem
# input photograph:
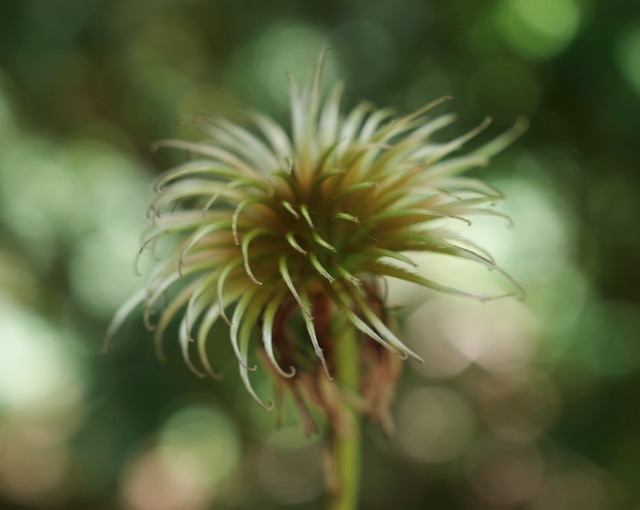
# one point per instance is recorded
(344, 437)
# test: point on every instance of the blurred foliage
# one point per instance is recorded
(528, 405)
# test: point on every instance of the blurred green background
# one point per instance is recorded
(520, 405)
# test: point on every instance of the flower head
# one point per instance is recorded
(280, 231)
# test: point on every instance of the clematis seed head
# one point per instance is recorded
(277, 231)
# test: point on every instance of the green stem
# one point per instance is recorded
(344, 437)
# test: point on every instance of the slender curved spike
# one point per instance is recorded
(174, 224)
(363, 162)
(499, 143)
(323, 169)
(466, 202)
(238, 139)
(224, 274)
(290, 208)
(464, 253)
(209, 204)
(285, 177)
(236, 214)
(314, 95)
(157, 290)
(182, 219)
(411, 146)
(238, 317)
(177, 193)
(246, 241)
(292, 241)
(305, 213)
(120, 316)
(385, 289)
(356, 220)
(249, 318)
(475, 211)
(454, 145)
(191, 312)
(262, 185)
(209, 320)
(146, 318)
(450, 236)
(216, 153)
(393, 165)
(353, 188)
(454, 166)
(346, 275)
(244, 375)
(316, 237)
(381, 252)
(433, 126)
(354, 159)
(168, 314)
(329, 116)
(199, 234)
(273, 133)
(428, 214)
(392, 201)
(359, 323)
(268, 318)
(427, 107)
(187, 168)
(184, 337)
(155, 293)
(373, 122)
(286, 276)
(401, 274)
(324, 174)
(308, 322)
(136, 262)
(191, 168)
(352, 123)
(203, 332)
(382, 328)
(297, 116)
(318, 267)
(347, 217)
(467, 185)
(408, 124)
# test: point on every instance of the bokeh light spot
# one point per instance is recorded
(427, 336)
(160, 480)
(433, 424)
(289, 467)
(209, 435)
(44, 208)
(539, 29)
(575, 488)
(33, 462)
(261, 62)
(102, 270)
(518, 407)
(197, 449)
(36, 367)
(504, 475)
(498, 335)
(628, 56)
